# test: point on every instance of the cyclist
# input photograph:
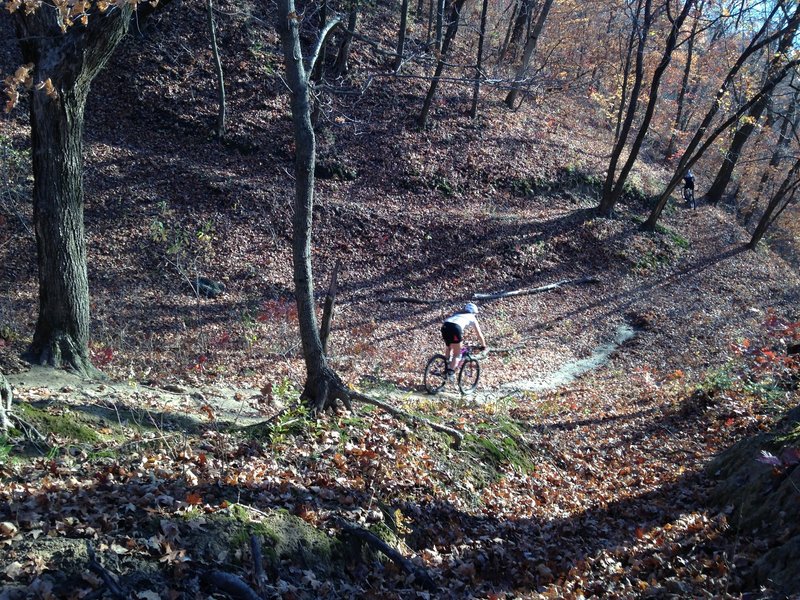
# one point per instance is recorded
(453, 333)
(688, 187)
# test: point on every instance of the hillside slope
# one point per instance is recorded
(617, 494)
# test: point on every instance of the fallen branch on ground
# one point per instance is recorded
(408, 417)
(401, 561)
(110, 582)
(407, 299)
(536, 290)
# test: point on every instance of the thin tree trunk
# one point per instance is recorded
(522, 20)
(452, 29)
(212, 30)
(611, 199)
(70, 61)
(343, 56)
(626, 73)
(479, 65)
(323, 386)
(687, 71)
(782, 198)
(401, 36)
(749, 123)
(6, 397)
(319, 66)
(530, 48)
(507, 38)
(606, 207)
(441, 7)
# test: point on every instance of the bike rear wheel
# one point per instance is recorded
(469, 375)
(435, 377)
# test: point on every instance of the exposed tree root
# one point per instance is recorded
(116, 590)
(62, 352)
(323, 391)
(401, 561)
(229, 584)
(409, 418)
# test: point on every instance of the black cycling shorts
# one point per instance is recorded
(452, 333)
(689, 183)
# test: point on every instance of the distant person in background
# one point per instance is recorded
(688, 189)
(453, 330)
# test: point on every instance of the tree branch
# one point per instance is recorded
(323, 38)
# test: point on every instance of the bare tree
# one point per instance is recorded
(479, 63)
(527, 55)
(212, 31)
(341, 66)
(323, 386)
(452, 28)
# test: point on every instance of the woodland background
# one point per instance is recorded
(565, 167)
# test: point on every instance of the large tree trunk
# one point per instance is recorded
(70, 61)
(323, 386)
(521, 19)
(749, 123)
(530, 48)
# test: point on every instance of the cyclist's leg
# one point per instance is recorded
(453, 355)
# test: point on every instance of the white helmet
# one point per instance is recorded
(471, 308)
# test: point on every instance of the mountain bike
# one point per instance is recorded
(468, 368)
(688, 197)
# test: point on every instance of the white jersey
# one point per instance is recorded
(463, 320)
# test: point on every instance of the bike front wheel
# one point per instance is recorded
(435, 377)
(469, 375)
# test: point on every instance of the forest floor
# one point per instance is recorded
(598, 486)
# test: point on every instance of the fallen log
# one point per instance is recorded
(401, 561)
(536, 290)
(457, 436)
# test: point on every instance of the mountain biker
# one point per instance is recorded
(688, 183)
(453, 334)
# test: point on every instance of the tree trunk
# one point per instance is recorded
(323, 386)
(212, 31)
(610, 198)
(452, 29)
(507, 38)
(742, 134)
(523, 17)
(441, 8)
(626, 72)
(780, 201)
(687, 71)
(530, 48)
(5, 404)
(70, 61)
(606, 207)
(401, 36)
(479, 65)
(343, 57)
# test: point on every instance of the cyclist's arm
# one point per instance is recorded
(480, 334)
